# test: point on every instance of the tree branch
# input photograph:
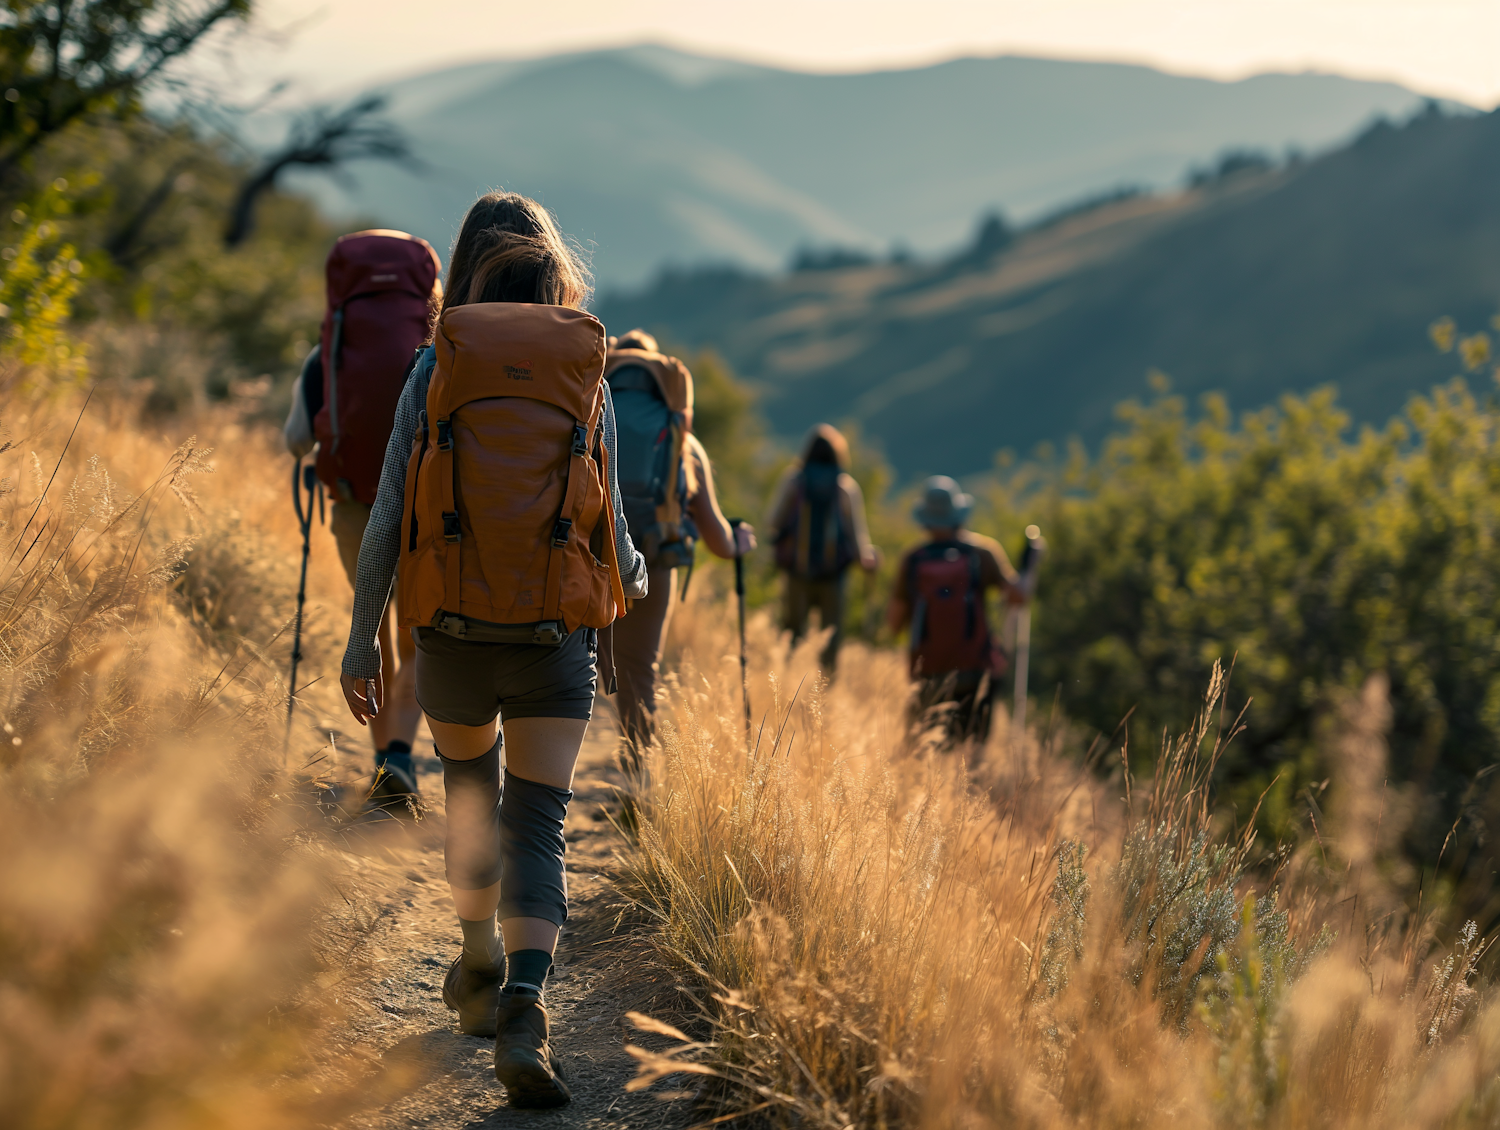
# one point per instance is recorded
(98, 52)
(321, 140)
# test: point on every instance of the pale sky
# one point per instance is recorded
(1443, 47)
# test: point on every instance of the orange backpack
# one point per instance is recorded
(508, 517)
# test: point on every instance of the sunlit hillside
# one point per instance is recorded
(1258, 282)
(653, 156)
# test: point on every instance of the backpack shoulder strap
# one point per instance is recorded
(607, 518)
(972, 597)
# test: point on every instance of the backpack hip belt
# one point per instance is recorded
(545, 633)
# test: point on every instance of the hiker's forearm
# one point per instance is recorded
(854, 499)
(713, 527)
(381, 546)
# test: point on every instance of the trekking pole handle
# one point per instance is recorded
(305, 478)
(297, 495)
(1031, 560)
(739, 558)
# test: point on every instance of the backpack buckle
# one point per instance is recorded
(452, 531)
(445, 434)
(452, 625)
(548, 633)
(561, 531)
(580, 441)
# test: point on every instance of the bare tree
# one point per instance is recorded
(324, 139)
(63, 59)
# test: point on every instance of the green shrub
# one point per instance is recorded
(1306, 559)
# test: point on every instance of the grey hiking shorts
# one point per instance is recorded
(468, 682)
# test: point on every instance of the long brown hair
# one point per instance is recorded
(509, 250)
(826, 444)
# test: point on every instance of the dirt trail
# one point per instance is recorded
(599, 975)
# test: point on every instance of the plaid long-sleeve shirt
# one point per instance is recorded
(381, 547)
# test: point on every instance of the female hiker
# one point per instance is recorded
(819, 519)
(498, 499)
(667, 487)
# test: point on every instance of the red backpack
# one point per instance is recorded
(380, 289)
(949, 631)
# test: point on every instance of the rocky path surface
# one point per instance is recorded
(601, 972)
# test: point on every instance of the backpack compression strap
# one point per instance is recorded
(579, 465)
(446, 468)
(918, 602)
(331, 367)
(972, 596)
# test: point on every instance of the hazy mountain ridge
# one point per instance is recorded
(650, 155)
(1325, 272)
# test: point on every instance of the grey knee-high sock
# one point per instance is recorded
(472, 846)
(533, 883)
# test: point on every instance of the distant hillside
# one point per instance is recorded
(652, 156)
(1327, 272)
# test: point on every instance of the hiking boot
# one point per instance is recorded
(474, 996)
(524, 1062)
(395, 789)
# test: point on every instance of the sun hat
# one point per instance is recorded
(944, 505)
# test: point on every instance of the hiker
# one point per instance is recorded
(499, 498)
(940, 593)
(819, 519)
(667, 485)
(383, 291)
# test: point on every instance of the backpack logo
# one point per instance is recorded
(520, 371)
(382, 278)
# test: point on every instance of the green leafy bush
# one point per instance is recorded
(1307, 559)
(40, 274)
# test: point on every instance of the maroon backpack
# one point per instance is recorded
(380, 288)
(949, 631)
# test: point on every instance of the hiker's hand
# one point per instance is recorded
(744, 539)
(364, 696)
(1016, 594)
(869, 559)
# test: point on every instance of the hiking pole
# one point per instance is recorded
(1031, 559)
(304, 478)
(739, 592)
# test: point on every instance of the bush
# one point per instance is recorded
(1303, 558)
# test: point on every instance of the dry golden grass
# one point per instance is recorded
(883, 936)
(882, 941)
(171, 937)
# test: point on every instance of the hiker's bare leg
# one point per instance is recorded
(828, 595)
(794, 613)
(399, 715)
(465, 743)
(542, 750)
